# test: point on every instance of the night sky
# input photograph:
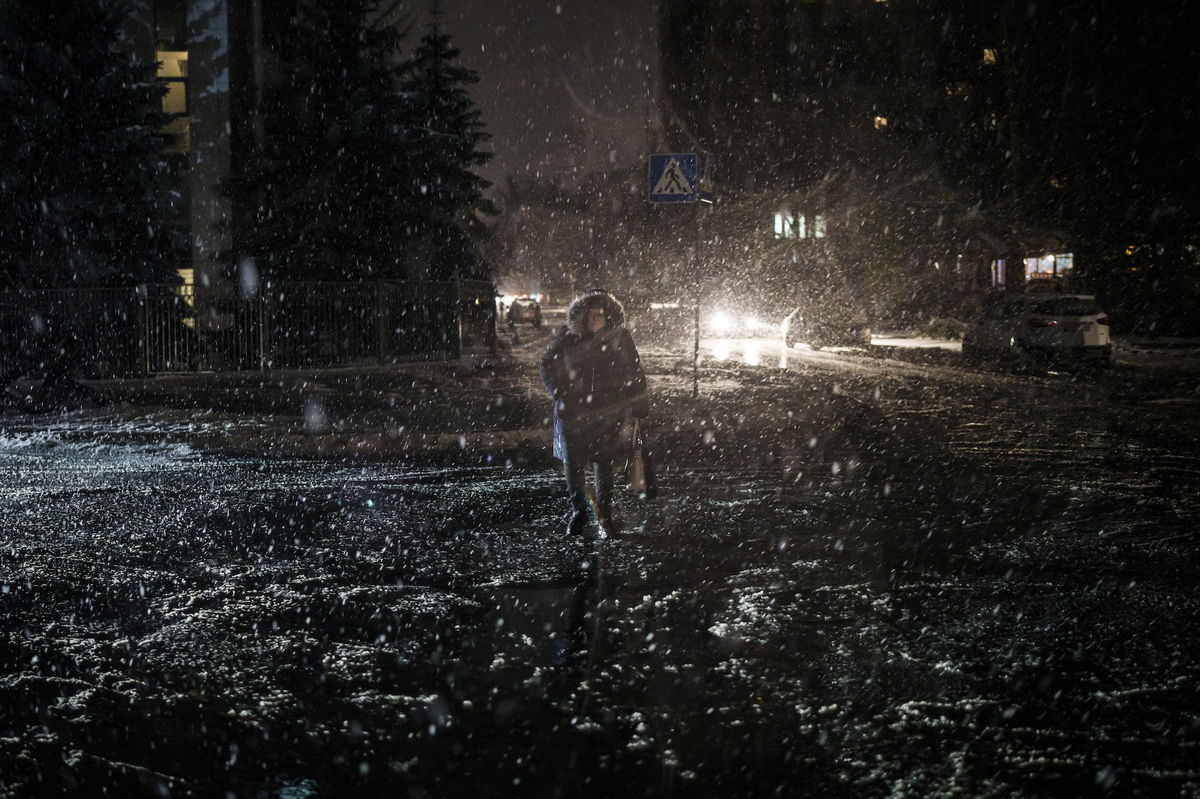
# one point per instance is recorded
(563, 85)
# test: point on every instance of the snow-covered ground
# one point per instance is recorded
(867, 573)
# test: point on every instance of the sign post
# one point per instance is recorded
(685, 178)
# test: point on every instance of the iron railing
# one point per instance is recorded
(156, 329)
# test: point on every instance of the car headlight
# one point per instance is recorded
(721, 323)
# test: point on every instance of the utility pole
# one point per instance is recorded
(696, 281)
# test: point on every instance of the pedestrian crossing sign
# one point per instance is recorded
(673, 177)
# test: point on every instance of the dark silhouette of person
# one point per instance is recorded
(593, 372)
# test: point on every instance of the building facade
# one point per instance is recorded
(210, 55)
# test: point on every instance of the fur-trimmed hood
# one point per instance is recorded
(578, 309)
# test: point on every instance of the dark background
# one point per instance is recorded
(564, 86)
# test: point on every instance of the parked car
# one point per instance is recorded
(524, 309)
(1058, 327)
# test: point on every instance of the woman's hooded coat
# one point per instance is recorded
(596, 379)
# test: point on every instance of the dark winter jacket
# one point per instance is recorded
(595, 379)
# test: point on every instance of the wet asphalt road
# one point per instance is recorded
(1001, 601)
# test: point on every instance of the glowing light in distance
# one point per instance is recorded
(721, 323)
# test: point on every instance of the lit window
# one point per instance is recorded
(1049, 266)
(1038, 268)
(797, 226)
(186, 291)
(998, 275)
(172, 72)
(785, 225)
(989, 55)
(881, 123)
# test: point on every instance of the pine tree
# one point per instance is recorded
(363, 169)
(82, 182)
(320, 195)
(445, 135)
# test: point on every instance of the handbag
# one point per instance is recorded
(636, 472)
(639, 466)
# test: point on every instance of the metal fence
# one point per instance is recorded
(157, 329)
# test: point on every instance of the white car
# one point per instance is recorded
(1060, 327)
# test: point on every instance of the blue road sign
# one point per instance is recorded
(673, 178)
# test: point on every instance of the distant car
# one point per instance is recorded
(524, 309)
(845, 328)
(1058, 327)
(661, 321)
(723, 322)
(827, 315)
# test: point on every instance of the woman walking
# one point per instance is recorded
(592, 371)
